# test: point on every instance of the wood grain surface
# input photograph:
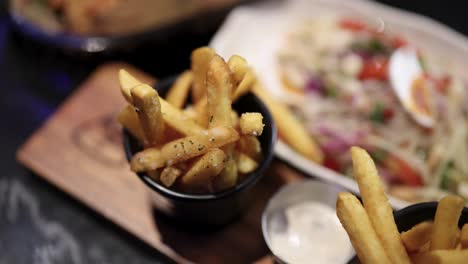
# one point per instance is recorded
(79, 149)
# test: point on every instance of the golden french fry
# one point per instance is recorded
(178, 93)
(464, 236)
(183, 149)
(441, 256)
(228, 176)
(146, 102)
(202, 110)
(127, 82)
(243, 76)
(357, 224)
(251, 124)
(203, 170)
(200, 60)
(289, 128)
(245, 164)
(250, 146)
(245, 85)
(190, 112)
(169, 175)
(238, 67)
(129, 119)
(377, 206)
(235, 119)
(176, 119)
(415, 238)
(219, 85)
(446, 219)
(192, 146)
(425, 248)
(148, 159)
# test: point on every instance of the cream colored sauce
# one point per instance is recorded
(313, 235)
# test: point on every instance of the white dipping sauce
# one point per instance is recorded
(313, 234)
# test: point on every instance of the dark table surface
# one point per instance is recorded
(41, 224)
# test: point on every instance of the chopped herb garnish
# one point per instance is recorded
(331, 91)
(446, 175)
(379, 155)
(211, 118)
(377, 114)
(191, 142)
(200, 147)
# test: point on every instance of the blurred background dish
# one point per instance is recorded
(328, 60)
(111, 25)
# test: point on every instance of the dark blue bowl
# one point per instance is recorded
(214, 208)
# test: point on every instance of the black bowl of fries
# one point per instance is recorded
(185, 199)
(412, 215)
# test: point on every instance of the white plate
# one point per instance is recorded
(257, 32)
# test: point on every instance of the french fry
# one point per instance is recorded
(146, 101)
(441, 257)
(357, 224)
(446, 222)
(377, 206)
(178, 93)
(238, 67)
(169, 175)
(251, 124)
(148, 159)
(190, 112)
(244, 86)
(182, 149)
(415, 238)
(228, 176)
(464, 236)
(290, 129)
(176, 119)
(129, 120)
(250, 146)
(245, 164)
(234, 119)
(243, 76)
(425, 248)
(219, 85)
(200, 60)
(202, 110)
(204, 169)
(127, 82)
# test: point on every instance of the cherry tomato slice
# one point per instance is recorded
(375, 68)
(403, 171)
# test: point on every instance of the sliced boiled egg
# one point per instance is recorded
(411, 87)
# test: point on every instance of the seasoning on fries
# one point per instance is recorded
(440, 241)
(201, 148)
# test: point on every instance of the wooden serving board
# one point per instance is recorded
(79, 149)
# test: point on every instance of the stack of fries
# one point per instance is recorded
(373, 231)
(205, 147)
